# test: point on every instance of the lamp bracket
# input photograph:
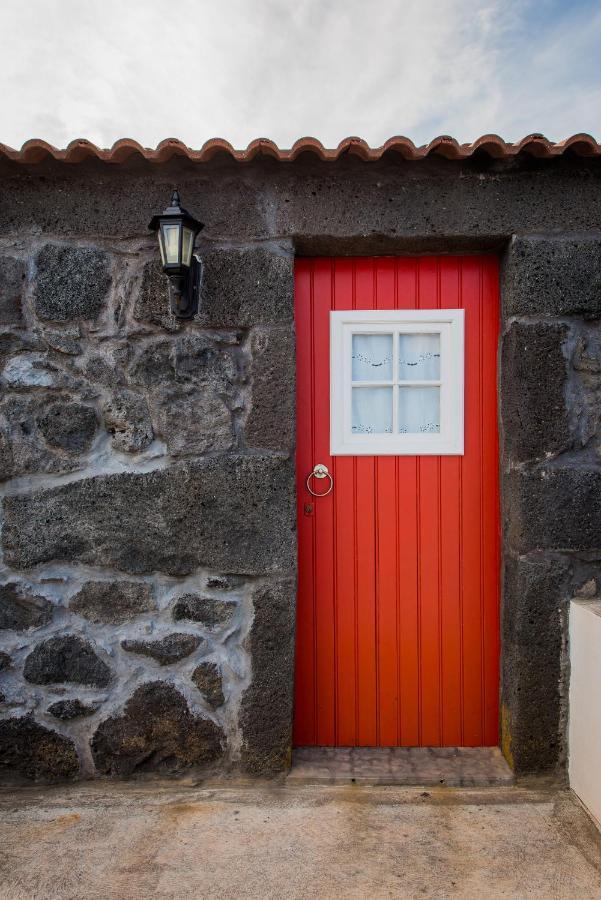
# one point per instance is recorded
(184, 290)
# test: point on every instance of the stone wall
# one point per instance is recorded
(143, 553)
(147, 466)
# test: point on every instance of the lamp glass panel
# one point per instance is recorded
(171, 243)
(187, 245)
(161, 247)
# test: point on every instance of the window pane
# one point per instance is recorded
(372, 410)
(187, 245)
(419, 357)
(171, 242)
(372, 357)
(419, 410)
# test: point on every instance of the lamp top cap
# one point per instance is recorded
(176, 210)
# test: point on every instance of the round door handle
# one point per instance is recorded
(319, 471)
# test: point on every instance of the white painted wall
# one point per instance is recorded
(585, 703)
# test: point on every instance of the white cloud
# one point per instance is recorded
(194, 69)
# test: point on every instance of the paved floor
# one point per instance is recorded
(450, 766)
(177, 840)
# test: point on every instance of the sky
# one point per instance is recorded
(283, 69)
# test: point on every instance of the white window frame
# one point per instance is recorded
(449, 323)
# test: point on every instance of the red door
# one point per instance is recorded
(398, 602)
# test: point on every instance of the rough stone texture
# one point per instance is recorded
(266, 707)
(5, 661)
(66, 658)
(30, 371)
(233, 513)
(193, 419)
(270, 423)
(23, 449)
(156, 732)
(12, 281)
(69, 426)
(152, 303)
(166, 650)
(31, 751)
(554, 508)
(207, 679)
(127, 418)
(555, 276)
(112, 602)
(209, 611)
(533, 636)
(534, 406)
(246, 287)
(20, 610)
(71, 282)
(70, 709)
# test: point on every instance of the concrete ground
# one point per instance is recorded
(180, 840)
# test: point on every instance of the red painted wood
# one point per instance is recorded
(398, 601)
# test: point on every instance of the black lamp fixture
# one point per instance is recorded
(177, 231)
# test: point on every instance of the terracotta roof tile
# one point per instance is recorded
(36, 151)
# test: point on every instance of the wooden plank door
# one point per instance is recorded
(398, 602)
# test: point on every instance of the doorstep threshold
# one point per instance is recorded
(448, 766)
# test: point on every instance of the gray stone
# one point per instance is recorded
(533, 396)
(69, 426)
(20, 610)
(70, 709)
(156, 732)
(193, 419)
(557, 276)
(555, 507)
(272, 418)
(152, 303)
(266, 706)
(28, 371)
(127, 419)
(207, 679)
(65, 341)
(5, 661)
(209, 611)
(247, 287)
(31, 751)
(23, 449)
(167, 650)
(230, 513)
(153, 363)
(12, 280)
(100, 370)
(72, 282)
(66, 658)
(112, 602)
(223, 582)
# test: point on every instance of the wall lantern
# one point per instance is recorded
(177, 231)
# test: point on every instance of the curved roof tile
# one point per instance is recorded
(36, 151)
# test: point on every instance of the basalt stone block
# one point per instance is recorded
(242, 288)
(209, 611)
(29, 750)
(66, 658)
(553, 508)
(153, 363)
(152, 303)
(272, 418)
(533, 395)
(229, 513)
(167, 650)
(155, 732)
(29, 371)
(20, 610)
(5, 661)
(193, 419)
(72, 282)
(553, 276)
(12, 281)
(266, 706)
(127, 419)
(70, 709)
(69, 426)
(112, 602)
(23, 449)
(207, 679)
(537, 587)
